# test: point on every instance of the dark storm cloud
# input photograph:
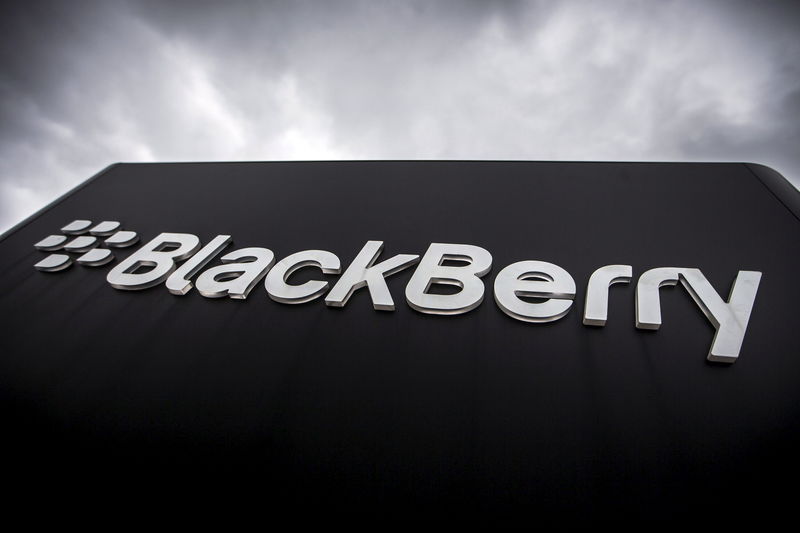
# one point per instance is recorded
(86, 84)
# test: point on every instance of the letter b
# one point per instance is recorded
(431, 270)
(152, 254)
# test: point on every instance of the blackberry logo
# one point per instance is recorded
(174, 259)
(80, 237)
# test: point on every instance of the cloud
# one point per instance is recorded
(85, 84)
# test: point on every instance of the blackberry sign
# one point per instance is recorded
(447, 340)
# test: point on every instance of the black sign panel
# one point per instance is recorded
(109, 395)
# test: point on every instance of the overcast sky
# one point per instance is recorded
(86, 84)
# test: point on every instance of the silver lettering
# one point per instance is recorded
(534, 279)
(729, 319)
(276, 282)
(467, 277)
(363, 272)
(124, 277)
(236, 279)
(595, 311)
(178, 283)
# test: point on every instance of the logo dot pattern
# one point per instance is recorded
(82, 239)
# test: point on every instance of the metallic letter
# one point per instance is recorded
(595, 312)
(536, 279)
(276, 282)
(648, 302)
(430, 271)
(178, 283)
(363, 272)
(729, 319)
(236, 279)
(163, 262)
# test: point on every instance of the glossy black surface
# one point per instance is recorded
(108, 397)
